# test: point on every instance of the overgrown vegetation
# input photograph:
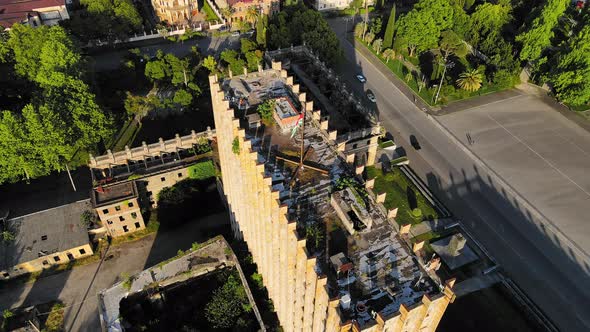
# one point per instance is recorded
(235, 146)
(55, 320)
(401, 193)
(266, 110)
(229, 305)
(202, 170)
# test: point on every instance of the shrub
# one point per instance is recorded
(266, 109)
(235, 146)
(417, 213)
(503, 79)
(87, 218)
(55, 320)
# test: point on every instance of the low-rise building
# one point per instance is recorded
(32, 12)
(332, 4)
(177, 12)
(118, 208)
(44, 239)
(240, 8)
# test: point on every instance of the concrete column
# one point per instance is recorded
(284, 266)
(291, 270)
(392, 213)
(372, 153)
(381, 198)
(295, 88)
(128, 152)
(162, 144)
(308, 307)
(290, 81)
(333, 318)
(245, 70)
(276, 65)
(332, 135)
(321, 305)
(359, 170)
(369, 184)
(324, 124)
(418, 246)
(316, 115)
(405, 229)
(309, 106)
(300, 279)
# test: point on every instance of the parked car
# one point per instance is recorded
(235, 33)
(414, 142)
(371, 96)
(361, 78)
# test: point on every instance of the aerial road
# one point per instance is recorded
(516, 237)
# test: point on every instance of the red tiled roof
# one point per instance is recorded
(14, 11)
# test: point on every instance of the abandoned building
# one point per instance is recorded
(279, 188)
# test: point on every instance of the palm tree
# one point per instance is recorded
(227, 13)
(470, 80)
(252, 14)
(388, 54)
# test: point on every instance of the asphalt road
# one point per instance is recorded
(498, 219)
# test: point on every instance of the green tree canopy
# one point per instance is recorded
(571, 77)
(183, 97)
(228, 303)
(487, 22)
(535, 39)
(421, 27)
(210, 63)
(390, 29)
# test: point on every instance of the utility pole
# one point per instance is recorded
(451, 64)
(70, 175)
(184, 73)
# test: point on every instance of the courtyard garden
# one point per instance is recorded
(412, 206)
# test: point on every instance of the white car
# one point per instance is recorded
(361, 78)
(235, 33)
(371, 96)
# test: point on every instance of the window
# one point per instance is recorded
(70, 256)
(368, 142)
(137, 225)
(82, 251)
(149, 194)
(5, 275)
(56, 258)
(121, 218)
(133, 215)
(109, 222)
(179, 175)
(130, 204)
(45, 262)
(354, 146)
(118, 208)
(105, 211)
(125, 229)
(43, 237)
(163, 179)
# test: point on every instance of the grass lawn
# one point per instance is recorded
(385, 144)
(211, 16)
(402, 194)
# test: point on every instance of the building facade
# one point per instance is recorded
(240, 8)
(118, 208)
(299, 290)
(176, 12)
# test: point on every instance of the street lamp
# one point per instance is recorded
(449, 64)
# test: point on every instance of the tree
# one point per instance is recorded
(487, 22)
(538, 37)
(377, 45)
(210, 63)
(266, 110)
(388, 54)
(228, 303)
(450, 43)
(140, 106)
(253, 59)
(376, 26)
(252, 15)
(369, 36)
(358, 30)
(421, 27)
(227, 13)
(390, 29)
(246, 45)
(570, 78)
(261, 26)
(157, 70)
(470, 80)
(183, 97)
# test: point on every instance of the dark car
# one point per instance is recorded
(414, 142)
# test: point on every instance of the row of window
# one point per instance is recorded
(70, 257)
(118, 208)
(121, 218)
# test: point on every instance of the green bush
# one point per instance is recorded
(503, 79)
(202, 170)
(235, 146)
(417, 213)
(55, 320)
(266, 109)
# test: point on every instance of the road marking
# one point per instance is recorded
(539, 155)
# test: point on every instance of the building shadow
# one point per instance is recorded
(541, 265)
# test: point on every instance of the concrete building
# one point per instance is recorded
(32, 12)
(118, 208)
(176, 12)
(272, 202)
(322, 5)
(44, 239)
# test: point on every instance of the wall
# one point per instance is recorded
(150, 186)
(131, 215)
(37, 264)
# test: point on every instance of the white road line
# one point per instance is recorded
(539, 155)
(570, 142)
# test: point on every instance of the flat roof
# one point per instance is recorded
(284, 108)
(104, 195)
(43, 233)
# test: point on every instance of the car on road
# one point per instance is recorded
(249, 33)
(371, 96)
(235, 33)
(361, 78)
(414, 142)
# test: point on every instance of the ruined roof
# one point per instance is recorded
(43, 233)
(15, 11)
(384, 269)
(102, 196)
